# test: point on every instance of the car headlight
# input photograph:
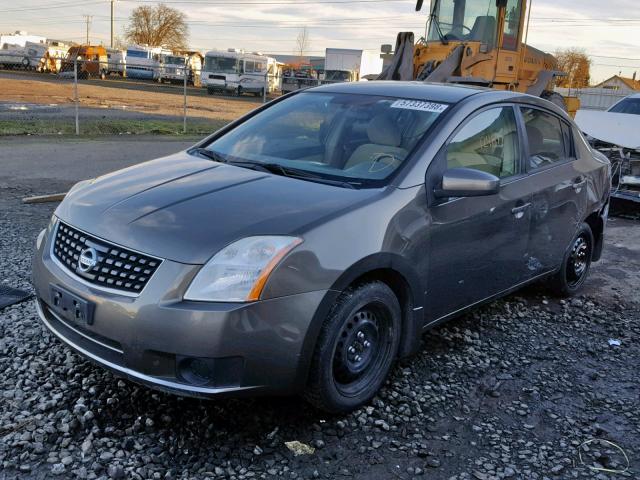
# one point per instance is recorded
(239, 272)
(45, 231)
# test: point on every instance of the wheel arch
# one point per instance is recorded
(398, 274)
(596, 223)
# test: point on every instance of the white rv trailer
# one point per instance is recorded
(173, 67)
(144, 61)
(237, 72)
(21, 38)
(31, 56)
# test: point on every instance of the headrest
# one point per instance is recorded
(536, 141)
(382, 131)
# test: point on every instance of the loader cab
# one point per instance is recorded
(493, 24)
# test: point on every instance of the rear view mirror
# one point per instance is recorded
(467, 182)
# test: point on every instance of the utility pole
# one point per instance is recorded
(112, 3)
(87, 19)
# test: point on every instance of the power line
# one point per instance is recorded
(269, 2)
(50, 6)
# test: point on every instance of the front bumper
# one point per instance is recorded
(251, 347)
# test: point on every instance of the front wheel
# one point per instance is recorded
(356, 348)
(575, 265)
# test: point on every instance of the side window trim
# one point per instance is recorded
(520, 164)
(570, 147)
(527, 166)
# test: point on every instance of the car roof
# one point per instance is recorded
(435, 92)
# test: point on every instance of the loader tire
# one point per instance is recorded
(554, 98)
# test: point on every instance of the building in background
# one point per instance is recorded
(621, 84)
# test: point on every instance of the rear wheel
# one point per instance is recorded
(356, 348)
(554, 98)
(575, 265)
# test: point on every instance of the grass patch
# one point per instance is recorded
(92, 127)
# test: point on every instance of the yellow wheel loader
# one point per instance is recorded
(478, 42)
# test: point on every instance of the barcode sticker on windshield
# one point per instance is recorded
(419, 105)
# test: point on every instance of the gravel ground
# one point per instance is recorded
(513, 390)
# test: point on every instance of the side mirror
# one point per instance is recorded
(467, 182)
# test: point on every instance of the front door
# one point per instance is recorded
(478, 245)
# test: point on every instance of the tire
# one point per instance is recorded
(356, 348)
(575, 264)
(554, 98)
(210, 91)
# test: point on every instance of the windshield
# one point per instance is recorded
(353, 138)
(337, 75)
(221, 64)
(464, 20)
(171, 60)
(628, 105)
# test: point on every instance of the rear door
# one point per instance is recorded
(559, 187)
(478, 244)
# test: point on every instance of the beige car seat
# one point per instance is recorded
(384, 149)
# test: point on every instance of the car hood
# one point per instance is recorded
(185, 208)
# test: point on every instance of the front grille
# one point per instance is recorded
(116, 267)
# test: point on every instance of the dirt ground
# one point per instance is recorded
(25, 88)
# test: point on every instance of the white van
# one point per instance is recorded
(173, 67)
(238, 72)
(117, 61)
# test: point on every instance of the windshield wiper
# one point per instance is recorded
(300, 174)
(210, 154)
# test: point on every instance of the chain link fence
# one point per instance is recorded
(92, 94)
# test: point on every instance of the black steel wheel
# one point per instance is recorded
(576, 263)
(356, 348)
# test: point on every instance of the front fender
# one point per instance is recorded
(375, 266)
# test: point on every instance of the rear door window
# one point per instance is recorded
(546, 140)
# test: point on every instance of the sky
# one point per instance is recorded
(609, 31)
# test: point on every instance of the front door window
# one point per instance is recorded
(488, 142)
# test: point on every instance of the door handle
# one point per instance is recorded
(518, 211)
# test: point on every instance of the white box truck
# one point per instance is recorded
(349, 65)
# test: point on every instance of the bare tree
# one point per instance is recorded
(302, 43)
(158, 26)
(577, 65)
(119, 43)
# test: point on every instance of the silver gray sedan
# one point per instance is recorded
(308, 245)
